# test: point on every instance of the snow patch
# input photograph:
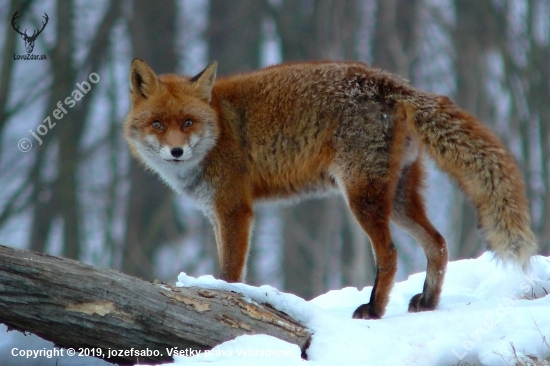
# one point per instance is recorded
(485, 308)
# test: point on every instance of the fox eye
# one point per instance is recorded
(157, 125)
(187, 123)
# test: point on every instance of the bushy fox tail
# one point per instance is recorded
(474, 156)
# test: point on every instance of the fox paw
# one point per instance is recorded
(419, 303)
(364, 312)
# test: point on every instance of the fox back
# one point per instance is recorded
(284, 128)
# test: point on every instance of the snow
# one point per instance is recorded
(488, 315)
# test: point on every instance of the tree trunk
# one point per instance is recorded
(322, 30)
(472, 38)
(396, 35)
(78, 306)
(237, 50)
(150, 212)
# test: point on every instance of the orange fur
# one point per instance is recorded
(308, 129)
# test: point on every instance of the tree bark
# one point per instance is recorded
(78, 306)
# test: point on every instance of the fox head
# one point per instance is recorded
(171, 122)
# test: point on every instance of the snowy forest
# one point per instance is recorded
(76, 192)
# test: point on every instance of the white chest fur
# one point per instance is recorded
(184, 178)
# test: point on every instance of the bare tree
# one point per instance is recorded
(525, 51)
(397, 35)
(234, 39)
(314, 230)
(57, 197)
(150, 214)
(473, 35)
(234, 35)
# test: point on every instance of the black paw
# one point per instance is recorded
(364, 312)
(419, 303)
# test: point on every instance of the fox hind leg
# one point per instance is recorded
(371, 205)
(370, 184)
(409, 213)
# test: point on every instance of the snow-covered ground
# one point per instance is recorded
(488, 315)
(486, 312)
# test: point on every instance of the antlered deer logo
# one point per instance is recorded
(29, 40)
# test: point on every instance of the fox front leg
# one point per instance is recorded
(232, 227)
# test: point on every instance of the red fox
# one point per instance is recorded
(308, 129)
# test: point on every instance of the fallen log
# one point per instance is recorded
(75, 305)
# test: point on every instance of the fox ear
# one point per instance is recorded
(204, 81)
(143, 81)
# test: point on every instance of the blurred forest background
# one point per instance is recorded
(79, 194)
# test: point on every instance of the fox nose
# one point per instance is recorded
(176, 152)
